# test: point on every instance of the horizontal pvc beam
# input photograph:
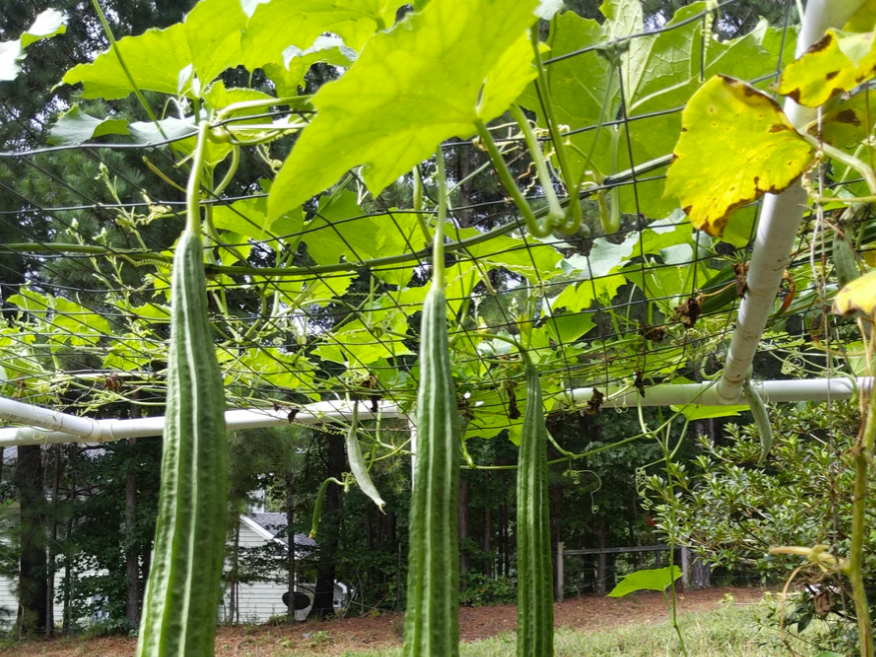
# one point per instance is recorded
(64, 428)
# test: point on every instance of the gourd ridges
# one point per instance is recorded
(535, 611)
(182, 595)
(431, 619)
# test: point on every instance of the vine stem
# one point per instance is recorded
(193, 190)
(850, 161)
(863, 456)
(438, 240)
(544, 177)
(535, 228)
(115, 48)
(573, 216)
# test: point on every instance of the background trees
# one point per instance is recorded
(74, 491)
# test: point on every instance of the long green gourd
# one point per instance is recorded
(535, 591)
(182, 595)
(431, 617)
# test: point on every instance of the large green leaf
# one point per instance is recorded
(836, 64)
(213, 30)
(656, 579)
(49, 23)
(158, 60)
(289, 75)
(275, 25)
(760, 152)
(410, 89)
(74, 127)
(660, 73)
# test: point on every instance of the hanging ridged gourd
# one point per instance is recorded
(182, 595)
(431, 616)
(535, 591)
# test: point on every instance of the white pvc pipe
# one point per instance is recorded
(698, 394)
(21, 413)
(779, 221)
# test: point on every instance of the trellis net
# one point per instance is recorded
(323, 303)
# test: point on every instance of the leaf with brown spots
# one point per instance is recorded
(846, 125)
(859, 296)
(836, 64)
(736, 145)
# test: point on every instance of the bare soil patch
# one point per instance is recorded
(586, 614)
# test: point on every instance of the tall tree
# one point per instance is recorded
(32, 587)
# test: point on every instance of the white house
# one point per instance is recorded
(258, 601)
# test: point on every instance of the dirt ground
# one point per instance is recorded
(334, 637)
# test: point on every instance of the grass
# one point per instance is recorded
(732, 630)
(728, 632)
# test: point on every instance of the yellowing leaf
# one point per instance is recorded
(411, 88)
(847, 124)
(837, 63)
(859, 296)
(736, 145)
(864, 19)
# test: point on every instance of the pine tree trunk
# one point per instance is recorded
(32, 568)
(487, 545)
(2, 454)
(53, 540)
(132, 556)
(290, 548)
(68, 543)
(329, 530)
(463, 531)
(602, 562)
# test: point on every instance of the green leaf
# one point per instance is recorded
(213, 30)
(527, 257)
(382, 114)
(655, 579)
(566, 328)
(836, 64)
(157, 59)
(289, 75)
(49, 23)
(247, 217)
(760, 152)
(74, 127)
(146, 132)
(278, 24)
(661, 72)
(696, 412)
